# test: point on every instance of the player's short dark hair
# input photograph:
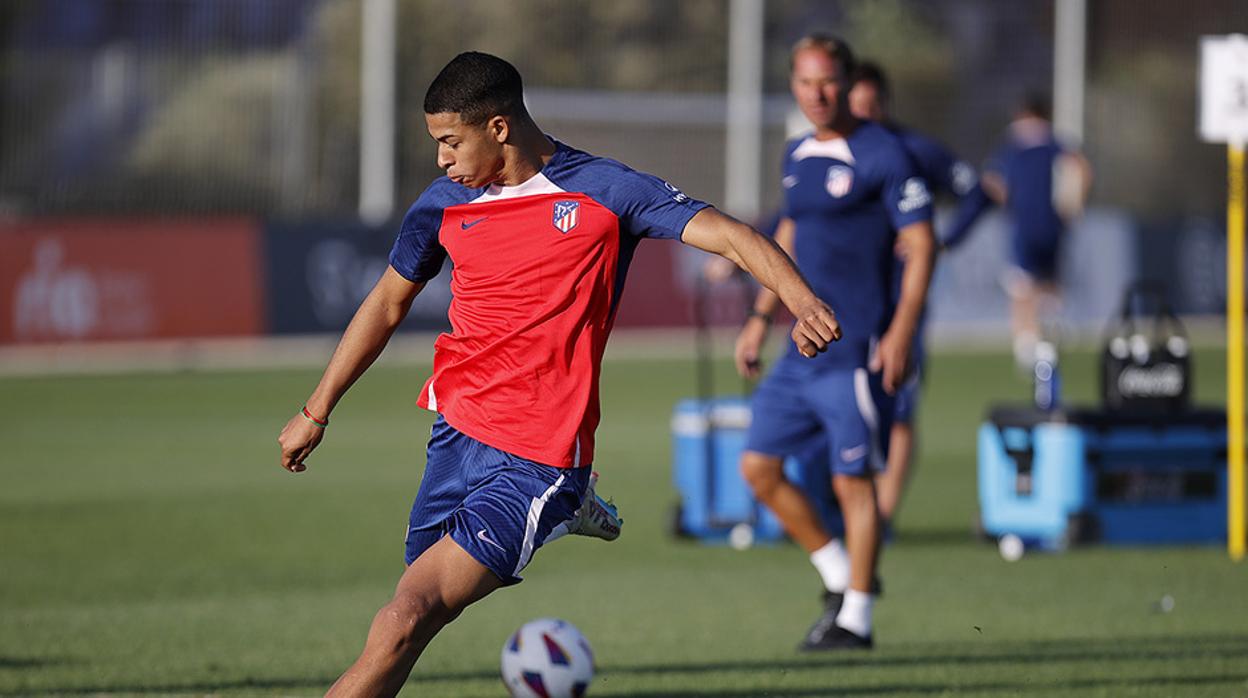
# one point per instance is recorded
(835, 47)
(476, 86)
(1036, 104)
(868, 71)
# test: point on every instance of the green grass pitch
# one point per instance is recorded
(149, 544)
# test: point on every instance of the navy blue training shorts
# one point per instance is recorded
(795, 409)
(497, 506)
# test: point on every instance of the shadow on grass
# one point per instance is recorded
(990, 688)
(1231, 646)
(255, 684)
(1103, 652)
(191, 687)
(30, 662)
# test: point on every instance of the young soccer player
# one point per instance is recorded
(540, 235)
(851, 195)
(870, 98)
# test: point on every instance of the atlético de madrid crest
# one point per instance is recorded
(567, 215)
(840, 180)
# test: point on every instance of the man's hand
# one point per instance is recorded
(750, 347)
(816, 327)
(892, 356)
(297, 440)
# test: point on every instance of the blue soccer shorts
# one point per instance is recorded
(906, 400)
(497, 506)
(795, 411)
(1037, 259)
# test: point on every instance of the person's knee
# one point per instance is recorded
(412, 617)
(853, 492)
(763, 473)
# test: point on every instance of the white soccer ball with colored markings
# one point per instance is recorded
(547, 658)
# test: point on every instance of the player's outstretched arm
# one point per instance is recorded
(370, 329)
(748, 352)
(715, 232)
(917, 246)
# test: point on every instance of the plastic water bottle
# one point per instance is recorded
(1048, 382)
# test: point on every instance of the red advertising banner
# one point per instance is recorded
(80, 279)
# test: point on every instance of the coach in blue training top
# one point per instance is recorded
(851, 194)
(945, 173)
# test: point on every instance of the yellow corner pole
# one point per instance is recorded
(1235, 539)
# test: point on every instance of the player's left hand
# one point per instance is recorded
(892, 356)
(297, 440)
(815, 329)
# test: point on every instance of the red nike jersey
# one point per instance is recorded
(537, 273)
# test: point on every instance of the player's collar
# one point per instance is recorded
(834, 148)
(537, 184)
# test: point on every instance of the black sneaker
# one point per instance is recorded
(827, 635)
(823, 624)
(832, 601)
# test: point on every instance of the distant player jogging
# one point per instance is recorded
(1043, 186)
(851, 195)
(870, 98)
(540, 235)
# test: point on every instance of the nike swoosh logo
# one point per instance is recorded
(464, 225)
(486, 539)
(852, 454)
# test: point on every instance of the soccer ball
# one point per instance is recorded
(547, 658)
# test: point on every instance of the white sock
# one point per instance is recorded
(832, 562)
(1025, 350)
(855, 615)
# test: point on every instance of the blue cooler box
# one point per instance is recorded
(708, 437)
(1054, 478)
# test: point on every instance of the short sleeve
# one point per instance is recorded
(942, 169)
(650, 207)
(905, 192)
(938, 169)
(787, 178)
(417, 255)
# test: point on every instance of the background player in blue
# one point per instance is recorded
(870, 98)
(500, 166)
(1043, 185)
(851, 195)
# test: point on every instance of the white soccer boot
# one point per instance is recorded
(596, 518)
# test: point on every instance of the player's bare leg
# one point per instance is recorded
(846, 619)
(857, 498)
(765, 475)
(1024, 327)
(890, 485)
(1048, 307)
(433, 590)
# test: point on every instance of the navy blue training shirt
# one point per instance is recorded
(1026, 162)
(847, 198)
